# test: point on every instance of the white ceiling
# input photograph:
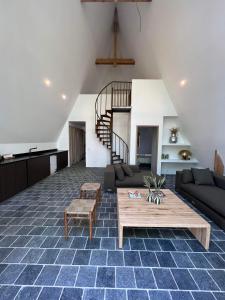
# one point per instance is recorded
(180, 39)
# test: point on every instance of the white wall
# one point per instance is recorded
(83, 110)
(59, 40)
(185, 39)
(23, 148)
(121, 126)
(150, 103)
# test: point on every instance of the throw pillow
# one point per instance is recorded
(119, 172)
(127, 170)
(187, 176)
(203, 176)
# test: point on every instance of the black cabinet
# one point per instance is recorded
(13, 179)
(37, 169)
(16, 176)
(20, 176)
(62, 160)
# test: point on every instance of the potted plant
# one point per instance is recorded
(156, 182)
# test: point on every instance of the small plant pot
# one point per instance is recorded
(157, 197)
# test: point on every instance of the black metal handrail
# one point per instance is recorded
(116, 94)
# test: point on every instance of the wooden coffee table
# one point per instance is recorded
(172, 213)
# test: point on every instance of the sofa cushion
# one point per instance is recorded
(187, 176)
(135, 168)
(119, 172)
(127, 170)
(134, 181)
(202, 176)
(212, 196)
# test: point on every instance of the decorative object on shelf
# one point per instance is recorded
(163, 156)
(173, 137)
(156, 182)
(167, 156)
(185, 154)
(134, 195)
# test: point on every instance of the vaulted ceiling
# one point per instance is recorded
(60, 40)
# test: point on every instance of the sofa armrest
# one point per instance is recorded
(219, 181)
(178, 182)
(109, 179)
(135, 168)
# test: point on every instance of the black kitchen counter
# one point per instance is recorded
(26, 156)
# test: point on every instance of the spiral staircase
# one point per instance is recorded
(114, 97)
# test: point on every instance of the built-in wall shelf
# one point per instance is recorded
(177, 145)
(175, 162)
(180, 161)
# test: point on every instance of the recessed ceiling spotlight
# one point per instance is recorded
(64, 97)
(47, 82)
(183, 82)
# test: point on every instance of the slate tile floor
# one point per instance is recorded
(36, 262)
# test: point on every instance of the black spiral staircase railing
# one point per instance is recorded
(114, 97)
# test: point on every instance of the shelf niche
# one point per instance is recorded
(175, 163)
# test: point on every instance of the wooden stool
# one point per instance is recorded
(80, 209)
(91, 187)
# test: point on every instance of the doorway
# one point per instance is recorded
(147, 147)
(77, 134)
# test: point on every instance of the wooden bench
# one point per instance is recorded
(80, 209)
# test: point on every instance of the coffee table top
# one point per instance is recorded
(172, 212)
(81, 206)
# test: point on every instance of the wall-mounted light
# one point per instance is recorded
(183, 83)
(64, 97)
(47, 82)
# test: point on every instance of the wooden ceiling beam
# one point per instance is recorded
(116, 1)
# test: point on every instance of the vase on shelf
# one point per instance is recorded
(173, 139)
(173, 135)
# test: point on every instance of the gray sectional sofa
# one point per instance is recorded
(112, 182)
(208, 196)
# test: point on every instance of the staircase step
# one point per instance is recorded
(115, 157)
(101, 138)
(101, 122)
(119, 161)
(105, 140)
(109, 111)
(102, 129)
(102, 135)
(106, 116)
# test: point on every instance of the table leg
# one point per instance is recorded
(99, 194)
(65, 225)
(202, 235)
(90, 224)
(94, 214)
(120, 228)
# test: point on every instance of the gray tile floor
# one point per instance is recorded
(37, 263)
